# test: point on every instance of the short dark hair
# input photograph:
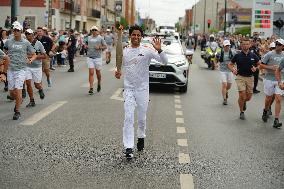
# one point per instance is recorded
(39, 28)
(71, 30)
(245, 39)
(135, 27)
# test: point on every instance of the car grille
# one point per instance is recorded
(168, 79)
(162, 68)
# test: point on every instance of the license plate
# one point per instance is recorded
(156, 75)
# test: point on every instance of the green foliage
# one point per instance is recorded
(122, 22)
(244, 30)
(213, 30)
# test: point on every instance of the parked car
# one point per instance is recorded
(175, 73)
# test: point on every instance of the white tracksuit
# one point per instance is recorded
(136, 63)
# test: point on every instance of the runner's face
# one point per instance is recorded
(136, 37)
(245, 45)
(16, 32)
(40, 32)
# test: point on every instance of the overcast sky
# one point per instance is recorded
(165, 11)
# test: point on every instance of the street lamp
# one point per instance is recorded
(71, 12)
(204, 21)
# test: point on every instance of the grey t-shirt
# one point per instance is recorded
(281, 67)
(109, 39)
(17, 52)
(125, 38)
(2, 54)
(272, 58)
(227, 60)
(92, 43)
(39, 48)
(190, 43)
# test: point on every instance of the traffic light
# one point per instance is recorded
(279, 23)
(208, 25)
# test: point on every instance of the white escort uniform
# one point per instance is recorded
(136, 63)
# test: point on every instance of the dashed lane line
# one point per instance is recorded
(181, 130)
(43, 113)
(177, 101)
(182, 142)
(186, 181)
(177, 106)
(179, 120)
(183, 158)
(177, 96)
(179, 113)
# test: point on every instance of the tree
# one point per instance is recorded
(244, 30)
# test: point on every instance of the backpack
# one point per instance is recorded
(221, 59)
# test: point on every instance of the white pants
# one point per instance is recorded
(271, 88)
(16, 79)
(132, 99)
(34, 74)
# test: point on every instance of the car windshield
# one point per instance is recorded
(172, 47)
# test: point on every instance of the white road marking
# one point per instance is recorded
(177, 96)
(117, 95)
(179, 113)
(179, 120)
(181, 130)
(182, 142)
(177, 101)
(177, 106)
(87, 85)
(183, 158)
(186, 181)
(43, 113)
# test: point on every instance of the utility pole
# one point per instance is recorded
(49, 15)
(14, 10)
(71, 12)
(225, 18)
(204, 21)
(194, 20)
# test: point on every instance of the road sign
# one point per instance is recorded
(262, 17)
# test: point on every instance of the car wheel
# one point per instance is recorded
(183, 89)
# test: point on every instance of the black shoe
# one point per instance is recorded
(10, 98)
(70, 70)
(225, 102)
(91, 91)
(265, 116)
(16, 115)
(255, 91)
(269, 112)
(140, 144)
(6, 88)
(227, 95)
(129, 153)
(99, 88)
(242, 116)
(24, 93)
(277, 124)
(41, 94)
(31, 104)
(245, 106)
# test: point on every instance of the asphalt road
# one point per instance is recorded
(75, 140)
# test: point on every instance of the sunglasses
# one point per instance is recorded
(94, 30)
(15, 30)
(278, 44)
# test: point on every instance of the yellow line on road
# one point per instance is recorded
(177, 96)
(43, 113)
(179, 120)
(177, 101)
(177, 106)
(179, 113)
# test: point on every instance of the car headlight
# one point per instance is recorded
(181, 63)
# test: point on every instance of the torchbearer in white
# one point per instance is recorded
(136, 60)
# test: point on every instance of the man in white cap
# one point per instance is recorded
(109, 39)
(270, 63)
(226, 75)
(18, 50)
(96, 44)
(34, 70)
